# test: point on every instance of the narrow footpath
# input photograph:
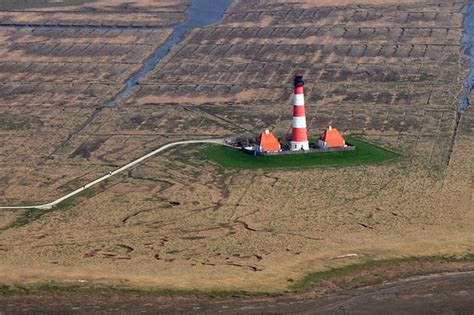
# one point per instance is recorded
(117, 171)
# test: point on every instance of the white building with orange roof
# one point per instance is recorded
(268, 143)
(331, 138)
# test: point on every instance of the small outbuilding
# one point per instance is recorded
(268, 143)
(331, 138)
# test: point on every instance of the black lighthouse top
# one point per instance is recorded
(298, 80)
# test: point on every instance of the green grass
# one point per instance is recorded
(311, 280)
(453, 58)
(86, 194)
(365, 153)
(17, 122)
(64, 289)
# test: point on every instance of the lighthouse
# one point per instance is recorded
(299, 134)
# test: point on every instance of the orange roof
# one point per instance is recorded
(269, 142)
(333, 138)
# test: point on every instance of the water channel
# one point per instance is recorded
(468, 51)
(201, 13)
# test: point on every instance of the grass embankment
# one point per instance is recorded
(365, 153)
(77, 290)
(338, 279)
(380, 271)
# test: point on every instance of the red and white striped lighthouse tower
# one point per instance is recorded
(299, 134)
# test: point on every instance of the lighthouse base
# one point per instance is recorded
(298, 146)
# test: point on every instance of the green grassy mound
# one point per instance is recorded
(365, 153)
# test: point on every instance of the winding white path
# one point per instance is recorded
(112, 173)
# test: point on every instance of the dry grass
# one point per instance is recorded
(315, 3)
(227, 233)
(116, 12)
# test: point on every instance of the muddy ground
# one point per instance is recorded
(441, 293)
(388, 73)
